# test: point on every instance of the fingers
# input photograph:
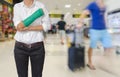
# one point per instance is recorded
(20, 26)
(23, 29)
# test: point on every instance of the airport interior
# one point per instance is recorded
(57, 51)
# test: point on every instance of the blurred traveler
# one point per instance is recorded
(98, 30)
(61, 27)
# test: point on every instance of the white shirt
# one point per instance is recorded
(21, 11)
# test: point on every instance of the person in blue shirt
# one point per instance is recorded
(98, 30)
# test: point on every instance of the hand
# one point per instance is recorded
(79, 25)
(34, 28)
(25, 29)
(20, 26)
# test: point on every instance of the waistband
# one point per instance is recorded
(30, 45)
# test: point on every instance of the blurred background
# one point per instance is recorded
(56, 61)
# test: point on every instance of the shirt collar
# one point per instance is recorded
(30, 6)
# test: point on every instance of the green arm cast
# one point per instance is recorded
(33, 17)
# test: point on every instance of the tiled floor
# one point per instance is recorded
(56, 61)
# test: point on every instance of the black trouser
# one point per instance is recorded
(36, 55)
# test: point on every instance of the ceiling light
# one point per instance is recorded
(67, 6)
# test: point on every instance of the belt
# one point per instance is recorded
(30, 45)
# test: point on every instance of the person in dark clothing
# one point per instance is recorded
(61, 27)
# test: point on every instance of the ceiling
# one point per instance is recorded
(58, 6)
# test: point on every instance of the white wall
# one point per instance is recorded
(113, 4)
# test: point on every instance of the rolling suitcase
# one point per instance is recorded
(76, 54)
(76, 58)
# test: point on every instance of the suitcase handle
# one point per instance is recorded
(74, 40)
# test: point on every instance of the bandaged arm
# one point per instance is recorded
(20, 26)
(38, 13)
(45, 25)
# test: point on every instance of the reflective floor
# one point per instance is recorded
(56, 61)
